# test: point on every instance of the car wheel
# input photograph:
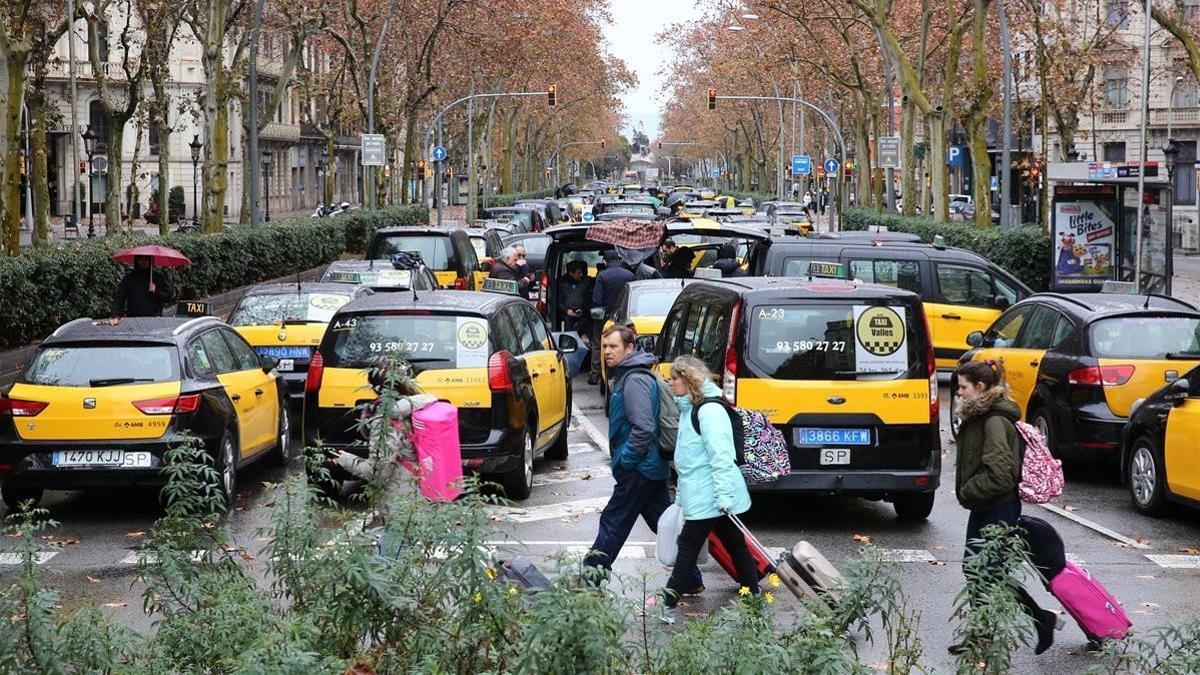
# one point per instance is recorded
(913, 506)
(282, 454)
(1147, 477)
(227, 467)
(1040, 419)
(955, 420)
(14, 497)
(518, 483)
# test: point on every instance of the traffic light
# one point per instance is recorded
(601, 143)
(660, 145)
(550, 92)
(420, 169)
(712, 98)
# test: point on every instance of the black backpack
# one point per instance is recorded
(735, 421)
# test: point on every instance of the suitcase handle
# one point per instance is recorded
(751, 539)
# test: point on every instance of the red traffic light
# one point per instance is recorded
(550, 92)
(712, 98)
(420, 169)
(601, 143)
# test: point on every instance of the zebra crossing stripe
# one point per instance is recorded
(572, 475)
(549, 511)
(1175, 562)
(39, 558)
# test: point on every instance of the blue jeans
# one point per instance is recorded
(634, 495)
(1007, 511)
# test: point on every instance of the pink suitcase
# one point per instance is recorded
(439, 457)
(1094, 608)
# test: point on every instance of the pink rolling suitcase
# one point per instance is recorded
(439, 457)
(1094, 608)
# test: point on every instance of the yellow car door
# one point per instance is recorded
(266, 391)
(963, 302)
(239, 386)
(1181, 451)
(545, 369)
(1021, 365)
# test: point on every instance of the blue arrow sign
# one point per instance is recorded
(832, 166)
(801, 165)
(439, 153)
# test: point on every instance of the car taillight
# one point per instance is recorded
(316, 369)
(1095, 376)
(169, 406)
(935, 403)
(499, 378)
(16, 407)
(460, 283)
(729, 377)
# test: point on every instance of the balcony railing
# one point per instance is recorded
(83, 70)
(278, 131)
(1176, 117)
(1114, 117)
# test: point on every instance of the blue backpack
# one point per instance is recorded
(759, 448)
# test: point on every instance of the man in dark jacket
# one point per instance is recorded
(506, 268)
(142, 291)
(680, 264)
(607, 292)
(727, 261)
(639, 469)
(575, 298)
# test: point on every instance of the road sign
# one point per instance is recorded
(954, 155)
(439, 153)
(715, 173)
(888, 149)
(801, 165)
(832, 166)
(372, 150)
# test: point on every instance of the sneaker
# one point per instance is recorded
(668, 615)
(687, 592)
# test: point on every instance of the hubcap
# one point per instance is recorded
(227, 469)
(1043, 426)
(528, 458)
(1141, 476)
(955, 420)
(285, 430)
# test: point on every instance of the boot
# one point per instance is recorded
(1045, 621)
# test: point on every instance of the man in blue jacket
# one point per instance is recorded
(639, 469)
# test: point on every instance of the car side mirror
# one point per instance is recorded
(1178, 390)
(568, 343)
(267, 363)
(975, 338)
(596, 313)
(485, 266)
(1001, 302)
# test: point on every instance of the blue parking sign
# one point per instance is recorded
(954, 155)
(801, 165)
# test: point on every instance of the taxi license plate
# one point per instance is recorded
(113, 458)
(835, 456)
(286, 365)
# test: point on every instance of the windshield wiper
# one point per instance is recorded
(1182, 356)
(110, 381)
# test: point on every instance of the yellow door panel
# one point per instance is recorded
(307, 335)
(479, 277)
(548, 388)
(92, 413)
(951, 324)
(1020, 369)
(1182, 451)
(446, 278)
(462, 388)
(1147, 377)
(893, 401)
(344, 388)
(241, 387)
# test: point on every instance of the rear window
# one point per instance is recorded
(523, 217)
(434, 250)
(1145, 337)
(102, 365)
(480, 246)
(655, 302)
(798, 267)
(834, 342)
(437, 341)
(534, 245)
(258, 310)
(629, 208)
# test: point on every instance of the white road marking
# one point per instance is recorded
(39, 558)
(132, 557)
(1175, 562)
(575, 449)
(907, 555)
(1111, 534)
(549, 511)
(572, 475)
(568, 544)
(627, 552)
(1074, 559)
(590, 429)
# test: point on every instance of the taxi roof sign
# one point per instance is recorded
(829, 270)
(193, 308)
(506, 286)
(1113, 286)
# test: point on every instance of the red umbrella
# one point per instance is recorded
(160, 256)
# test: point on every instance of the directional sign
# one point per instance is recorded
(372, 150)
(439, 153)
(832, 166)
(888, 149)
(801, 165)
(715, 173)
(954, 155)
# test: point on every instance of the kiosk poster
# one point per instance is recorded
(1084, 244)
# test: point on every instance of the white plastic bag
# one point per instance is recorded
(670, 524)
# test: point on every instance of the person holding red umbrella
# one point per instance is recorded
(141, 291)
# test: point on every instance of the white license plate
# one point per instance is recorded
(834, 456)
(113, 458)
(286, 364)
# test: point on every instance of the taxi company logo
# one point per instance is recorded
(472, 335)
(282, 336)
(89, 403)
(880, 331)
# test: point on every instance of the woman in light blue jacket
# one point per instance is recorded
(710, 483)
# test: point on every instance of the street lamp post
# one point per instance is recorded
(266, 161)
(196, 146)
(1171, 149)
(323, 172)
(89, 145)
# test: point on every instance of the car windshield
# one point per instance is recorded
(258, 310)
(652, 302)
(533, 245)
(441, 341)
(102, 365)
(833, 342)
(1145, 337)
(525, 218)
(434, 250)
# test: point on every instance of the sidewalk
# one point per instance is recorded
(1185, 284)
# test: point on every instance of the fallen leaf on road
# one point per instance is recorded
(880, 666)
(359, 669)
(560, 467)
(696, 615)
(115, 604)
(585, 476)
(1145, 576)
(571, 519)
(239, 508)
(1189, 550)
(1142, 540)
(67, 542)
(1068, 507)
(939, 563)
(247, 556)
(93, 579)
(861, 538)
(135, 534)
(14, 535)
(937, 547)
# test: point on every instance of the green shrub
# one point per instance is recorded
(1023, 251)
(175, 203)
(50, 285)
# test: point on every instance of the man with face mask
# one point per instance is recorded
(142, 292)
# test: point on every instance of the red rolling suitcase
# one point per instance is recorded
(725, 560)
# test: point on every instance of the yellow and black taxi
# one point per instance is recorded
(102, 400)
(487, 353)
(1077, 363)
(1160, 447)
(961, 291)
(643, 306)
(488, 244)
(379, 275)
(447, 252)
(845, 370)
(287, 321)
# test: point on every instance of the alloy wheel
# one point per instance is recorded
(1142, 478)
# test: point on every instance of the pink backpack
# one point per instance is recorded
(1041, 474)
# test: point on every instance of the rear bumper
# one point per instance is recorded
(30, 465)
(874, 484)
(1092, 432)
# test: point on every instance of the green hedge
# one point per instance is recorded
(1023, 251)
(50, 285)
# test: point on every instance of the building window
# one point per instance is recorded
(1114, 152)
(1116, 87)
(1185, 95)
(1117, 13)
(1184, 174)
(152, 130)
(1191, 10)
(98, 118)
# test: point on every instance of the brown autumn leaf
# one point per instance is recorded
(1189, 550)
(246, 556)
(115, 604)
(861, 538)
(1068, 507)
(359, 669)
(1146, 576)
(560, 467)
(94, 580)
(585, 476)
(135, 535)
(67, 542)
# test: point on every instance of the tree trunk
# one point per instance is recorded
(12, 80)
(112, 182)
(937, 167)
(163, 198)
(908, 183)
(330, 169)
(976, 118)
(39, 171)
(410, 154)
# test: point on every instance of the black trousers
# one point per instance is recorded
(692, 537)
(1008, 512)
